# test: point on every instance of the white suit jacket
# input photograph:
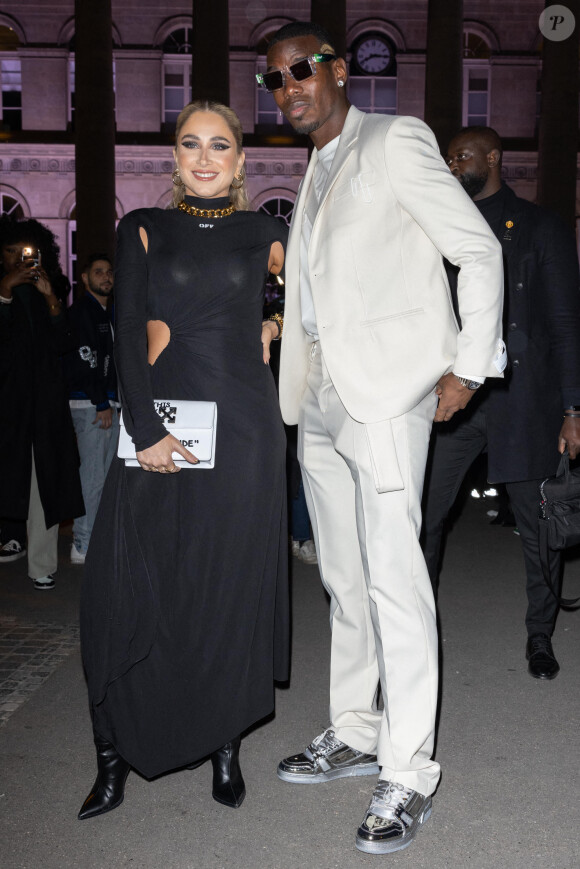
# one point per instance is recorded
(389, 213)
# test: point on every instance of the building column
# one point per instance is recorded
(558, 133)
(444, 69)
(210, 50)
(94, 128)
(331, 14)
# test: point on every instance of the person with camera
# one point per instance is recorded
(38, 453)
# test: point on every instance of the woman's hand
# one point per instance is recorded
(42, 282)
(22, 273)
(158, 457)
(270, 331)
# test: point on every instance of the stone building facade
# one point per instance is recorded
(386, 52)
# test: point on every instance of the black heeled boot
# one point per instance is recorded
(108, 790)
(228, 784)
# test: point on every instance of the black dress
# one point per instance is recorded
(184, 610)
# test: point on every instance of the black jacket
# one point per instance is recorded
(90, 369)
(542, 334)
(34, 411)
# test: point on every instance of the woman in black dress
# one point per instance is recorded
(184, 621)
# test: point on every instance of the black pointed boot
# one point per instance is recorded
(109, 788)
(228, 784)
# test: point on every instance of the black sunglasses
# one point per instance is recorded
(301, 70)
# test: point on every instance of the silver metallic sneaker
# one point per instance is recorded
(393, 817)
(326, 758)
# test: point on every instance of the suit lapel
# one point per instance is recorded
(348, 139)
(293, 254)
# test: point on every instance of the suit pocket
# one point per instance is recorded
(358, 187)
(396, 316)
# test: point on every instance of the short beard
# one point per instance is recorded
(98, 291)
(472, 183)
(305, 127)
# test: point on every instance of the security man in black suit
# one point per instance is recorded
(535, 411)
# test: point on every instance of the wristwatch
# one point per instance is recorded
(469, 384)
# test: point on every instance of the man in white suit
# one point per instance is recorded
(370, 354)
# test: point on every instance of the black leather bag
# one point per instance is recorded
(559, 520)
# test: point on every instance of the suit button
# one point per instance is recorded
(513, 327)
(515, 363)
(519, 286)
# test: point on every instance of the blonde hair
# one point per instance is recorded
(238, 195)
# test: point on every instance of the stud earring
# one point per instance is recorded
(340, 83)
(175, 178)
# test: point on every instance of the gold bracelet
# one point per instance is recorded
(279, 320)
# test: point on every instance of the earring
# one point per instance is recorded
(175, 178)
(340, 83)
(240, 178)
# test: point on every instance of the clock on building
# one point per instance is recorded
(372, 54)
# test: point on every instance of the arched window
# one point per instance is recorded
(10, 206)
(476, 79)
(278, 206)
(372, 82)
(71, 247)
(176, 74)
(10, 80)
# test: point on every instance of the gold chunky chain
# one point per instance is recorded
(206, 212)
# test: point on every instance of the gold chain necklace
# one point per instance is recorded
(206, 212)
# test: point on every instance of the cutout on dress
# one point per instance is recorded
(158, 337)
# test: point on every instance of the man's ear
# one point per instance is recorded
(493, 157)
(340, 70)
(85, 279)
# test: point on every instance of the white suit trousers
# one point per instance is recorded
(382, 611)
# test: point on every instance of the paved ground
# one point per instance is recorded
(509, 745)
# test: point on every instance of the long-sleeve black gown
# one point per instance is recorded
(184, 609)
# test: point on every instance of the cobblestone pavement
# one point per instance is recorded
(29, 653)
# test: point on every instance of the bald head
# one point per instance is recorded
(474, 157)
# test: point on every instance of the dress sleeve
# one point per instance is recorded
(131, 286)
(278, 231)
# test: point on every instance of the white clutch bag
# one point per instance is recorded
(192, 422)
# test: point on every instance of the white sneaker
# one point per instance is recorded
(76, 557)
(44, 583)
(12, 551)
(295, 547)
(392, 819)
(307, 552)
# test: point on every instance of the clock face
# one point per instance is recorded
(373, 54)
